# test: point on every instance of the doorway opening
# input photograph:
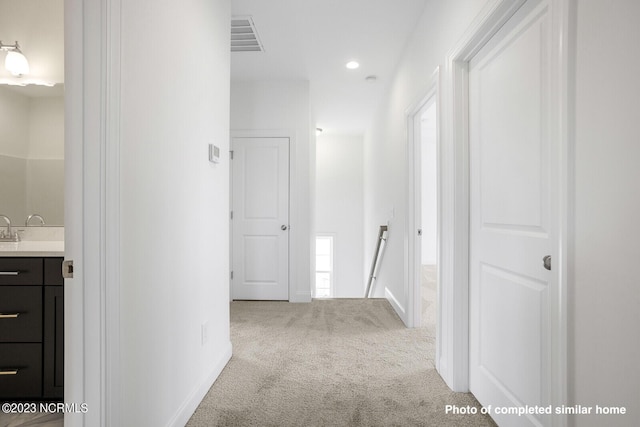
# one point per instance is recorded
(424, 224)
(428, 219)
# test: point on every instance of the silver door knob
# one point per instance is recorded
(283, 227)
(546, 261)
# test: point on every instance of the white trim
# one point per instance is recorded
(111, 222)
(413, 197)
(92, 123)
(193, 400)
(563, 19)
(74, 363)
(402, 313)
(300, 296)
(294, 236)
(455, 307)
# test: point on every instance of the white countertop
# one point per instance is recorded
(32, 248)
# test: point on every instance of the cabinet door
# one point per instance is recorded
(21, 271)
(20, 314)
(53, 272)
(53, 369)
(20, 371)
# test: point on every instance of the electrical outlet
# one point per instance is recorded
(204, 332)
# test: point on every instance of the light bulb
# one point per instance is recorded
(352, 65)
(16, 63)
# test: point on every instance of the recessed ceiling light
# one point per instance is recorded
(352, 65)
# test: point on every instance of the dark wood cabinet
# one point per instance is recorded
(21, 368)
(20, 314)
(53, 368)
(21, 271)
(31, 328)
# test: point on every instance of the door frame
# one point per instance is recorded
(294, 252)
(92, 212)
(414, 199)
(455, 316)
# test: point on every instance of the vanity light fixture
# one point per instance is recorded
(15, 62)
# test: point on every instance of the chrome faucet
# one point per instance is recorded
(8, 221)
(26, 223)
(9, 236)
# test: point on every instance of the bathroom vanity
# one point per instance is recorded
(31, 320)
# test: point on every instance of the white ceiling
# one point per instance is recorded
(314, 39)
(308, 40)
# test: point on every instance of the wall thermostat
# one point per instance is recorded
(214, 154)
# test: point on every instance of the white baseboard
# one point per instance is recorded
(190, 405)
(396, 306)
(300, 297)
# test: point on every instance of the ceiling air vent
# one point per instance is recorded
(244, 37)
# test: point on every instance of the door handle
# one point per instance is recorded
(283, 227)
(546, 261)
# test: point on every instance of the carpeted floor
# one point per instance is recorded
(37, 419)
(329, 363)
(428, 289)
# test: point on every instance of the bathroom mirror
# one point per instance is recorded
(32, 153)
(32, 116)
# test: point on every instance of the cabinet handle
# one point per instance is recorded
(9, 273)
(8, 372)
(9, 315)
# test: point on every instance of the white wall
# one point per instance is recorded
(440, 27)
(340, 208)
(604, 299)
(284, 106)
(174, 207)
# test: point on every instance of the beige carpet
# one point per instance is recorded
(329, 363)
(428, 288)
(38, 419)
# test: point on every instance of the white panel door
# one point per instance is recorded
(511, 217)
(260, 192)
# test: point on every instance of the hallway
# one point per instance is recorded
(347, 362)
(147, 210)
